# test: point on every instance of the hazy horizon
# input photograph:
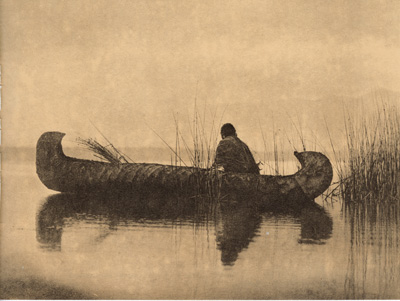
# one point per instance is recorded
(317, 133)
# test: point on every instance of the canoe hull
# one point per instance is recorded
(66, 174)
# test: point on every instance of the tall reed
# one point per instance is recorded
(200, 147)
(280, 143)
(372, 158)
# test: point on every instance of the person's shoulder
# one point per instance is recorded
(231, 138)
(226, 142)
(240, 141)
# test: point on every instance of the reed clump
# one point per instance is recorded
(107, 153)
(371, 172)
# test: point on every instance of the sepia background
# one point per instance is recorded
(125, 63)
(138, 69)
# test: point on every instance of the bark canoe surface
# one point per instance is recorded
(66, 174)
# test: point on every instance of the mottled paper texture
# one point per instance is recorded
(156, 79)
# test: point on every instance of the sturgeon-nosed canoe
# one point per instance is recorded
(66, 174)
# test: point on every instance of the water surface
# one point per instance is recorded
(153, 247)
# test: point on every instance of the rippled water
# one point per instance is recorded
(157, 246)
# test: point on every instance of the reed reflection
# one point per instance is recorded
(236, 226)
(373, 267)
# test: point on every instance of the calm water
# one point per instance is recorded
(82, 247)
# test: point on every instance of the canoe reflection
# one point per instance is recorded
(236, 226)
(316, 225)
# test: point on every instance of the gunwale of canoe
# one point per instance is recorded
(66, 174)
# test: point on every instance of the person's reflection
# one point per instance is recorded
(235, 230)
(237, 227)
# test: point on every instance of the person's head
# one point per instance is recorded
(227, 130)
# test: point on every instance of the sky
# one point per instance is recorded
(132, 67)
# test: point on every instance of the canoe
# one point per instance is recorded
(66, 174)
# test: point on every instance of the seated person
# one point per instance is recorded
(233, 154)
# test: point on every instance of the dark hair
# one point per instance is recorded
(228, 130)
